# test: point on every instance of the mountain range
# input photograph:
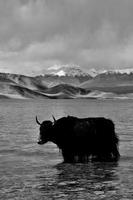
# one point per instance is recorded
(68, 82)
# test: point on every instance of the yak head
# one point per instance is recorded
(46, 131)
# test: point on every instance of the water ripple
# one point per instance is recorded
(32, 172)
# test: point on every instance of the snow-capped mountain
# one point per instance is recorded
(117, 71)
(69, 81)
(67, 70)
(76, 70)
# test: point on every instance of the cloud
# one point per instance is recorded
(46, 49)
(36, 34)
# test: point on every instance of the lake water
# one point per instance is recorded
(29, 171)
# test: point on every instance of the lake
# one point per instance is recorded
(30, 171)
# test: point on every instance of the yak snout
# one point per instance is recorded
(40, 142)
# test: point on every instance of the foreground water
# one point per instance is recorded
(29, 171)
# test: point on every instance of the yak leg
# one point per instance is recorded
(68, 156)
(101, 156)
(80, 158)
(83, 158)
(115, 153)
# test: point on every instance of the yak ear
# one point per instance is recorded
(54, 119)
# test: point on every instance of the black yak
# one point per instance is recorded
(81, 139)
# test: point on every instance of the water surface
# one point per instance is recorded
(29, 171)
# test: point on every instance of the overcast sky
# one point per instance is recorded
(37, 34)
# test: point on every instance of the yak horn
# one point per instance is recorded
(54, 119)
(37, 121)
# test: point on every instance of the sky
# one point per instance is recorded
(37, 34)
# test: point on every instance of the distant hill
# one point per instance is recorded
(108, 84)
(20, 86)
(111, 82)
(65, 91)
(53, 80)
(10, 90)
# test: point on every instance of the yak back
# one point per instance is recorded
(72, 130)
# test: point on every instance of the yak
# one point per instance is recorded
(81, 139)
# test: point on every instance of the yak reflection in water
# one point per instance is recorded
(81, 181)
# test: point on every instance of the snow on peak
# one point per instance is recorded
(67, 70)
(75, 70)
(60, 73)
(118, 71)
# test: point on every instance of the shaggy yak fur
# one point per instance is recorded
(82, 139)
